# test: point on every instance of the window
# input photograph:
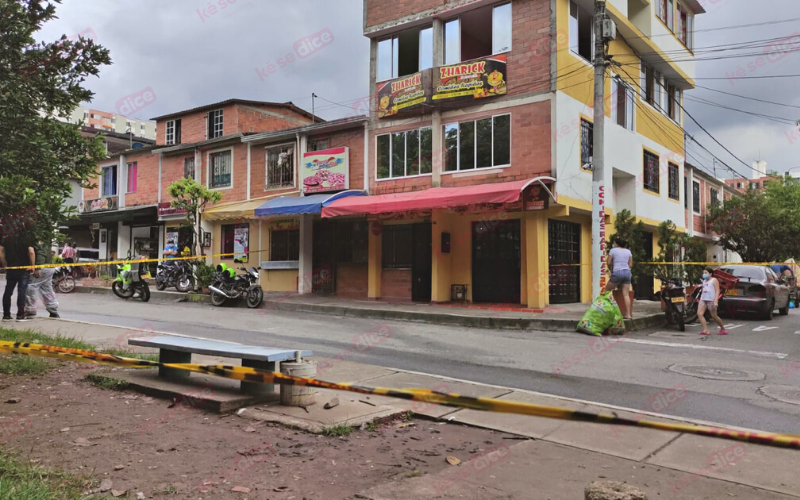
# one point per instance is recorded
(406, 53)
(686, 193)
(403, 154)
(109, 185)
(221, 165)
(478, 33)
(284, 245)
(478, 144)
(673, 172)
(674, 103)
(652, 182)
(280, 166)
(714, 195)
(173, 135)
(214, 124)
(188, 167)
(764, 183)
(685, 26)
(319, 144)
(696, 197)
(739, 185)
(235, 241)
(581, 30)
(133, 170)
(666, 9)
(622, 104)
(352, 241)
(587, 144)
(396, 247)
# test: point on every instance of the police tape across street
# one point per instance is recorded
(411, 394)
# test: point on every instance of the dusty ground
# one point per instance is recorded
(142, 445)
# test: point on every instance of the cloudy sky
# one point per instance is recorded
(190, 55)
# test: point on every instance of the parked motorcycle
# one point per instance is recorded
(229, 285)
(63, 280)
(177, 273)
(674, 296)
(130, 280)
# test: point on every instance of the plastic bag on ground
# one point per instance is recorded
(602, 315)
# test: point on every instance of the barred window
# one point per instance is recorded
(284, 245)
(651, 173)
(280, 166)
(674, 185)
(188, 167)
(587, 144)
(396, 248)
(215, 123)
(696, 197)
(714, 197)
(221, 172)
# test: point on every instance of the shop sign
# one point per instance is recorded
(479, 78)
(326, 170)
(98, 205)
(285, 224)
(536, 197)
(402, 93)
(167, 209)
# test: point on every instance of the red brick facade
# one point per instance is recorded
(351, 281)
(396, 284)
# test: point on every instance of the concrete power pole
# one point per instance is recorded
(598, 179)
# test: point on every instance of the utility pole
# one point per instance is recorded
(598, 179)
(313, 115)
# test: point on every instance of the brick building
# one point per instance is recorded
(705, 190)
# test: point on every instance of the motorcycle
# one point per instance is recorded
(175, 273)
(63, 281)
(674, 297)
(229, 285)
(130, 280)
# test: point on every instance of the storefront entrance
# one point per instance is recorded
(421, 267)
(564, 252)
(496, 262)
(342, 247)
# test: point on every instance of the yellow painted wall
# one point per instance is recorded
(279, 280)
(441, 262)
(374, 262)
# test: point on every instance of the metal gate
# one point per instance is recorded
(564, 239)
(496, 262)
(324, 255)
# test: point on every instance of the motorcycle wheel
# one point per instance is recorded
(160, 286)
(116, 287)
(217, 299)
(144, 292)
(185, 283)
(255, 297)
(66, 284)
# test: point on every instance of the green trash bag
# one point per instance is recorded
(603, 315)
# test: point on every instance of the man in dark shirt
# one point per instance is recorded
(16, 251)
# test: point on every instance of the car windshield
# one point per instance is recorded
(755, 273)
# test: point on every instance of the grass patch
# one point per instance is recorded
(166, 490)
(103, 382)
(147, 356)
(24, 481)
(20, 364)
(11, 335)
(415, 473)
(337, 430)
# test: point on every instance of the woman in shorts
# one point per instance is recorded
(709, 300)
(620, 261)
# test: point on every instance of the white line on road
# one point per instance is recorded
(778, 355)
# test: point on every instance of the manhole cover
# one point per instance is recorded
(715, 373)
(786, 393)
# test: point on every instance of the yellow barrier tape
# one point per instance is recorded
(412, 394)
(132, 261)
(722, 263)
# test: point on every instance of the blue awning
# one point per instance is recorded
(297, 205)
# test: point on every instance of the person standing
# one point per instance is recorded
(42, 284)
(17, 252)
(620, 262)
(68, 253)
(709, 300)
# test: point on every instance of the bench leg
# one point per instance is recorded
(167, 356)
(256, 388)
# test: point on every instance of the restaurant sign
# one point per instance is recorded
(479, 78)
(536, 197)
(406, 92)
(98, 205)
(324, 171)
(166, 208)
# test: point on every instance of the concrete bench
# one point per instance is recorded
(180, 350)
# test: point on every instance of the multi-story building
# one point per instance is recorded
(757, 181)
(111, 122)
(705, 190)
(480, 143)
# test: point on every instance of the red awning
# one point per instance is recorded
(448, 197)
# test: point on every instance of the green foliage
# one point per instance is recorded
(192, 196)
(204, 274)
(34, 337)
(20, 364)
(760, 227)
(337, 430)
(57, 260)
(107, 383)
(678, 247)
(626, 227)
(21, 480)
(39, 155)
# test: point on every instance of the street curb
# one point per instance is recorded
(485, 322)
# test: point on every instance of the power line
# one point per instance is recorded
(745, 97)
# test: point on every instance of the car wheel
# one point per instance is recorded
(784, 311)
(769, 313)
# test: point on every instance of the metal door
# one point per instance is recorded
(496, 262)
(564, 241)
(324, 255)
(421, 266)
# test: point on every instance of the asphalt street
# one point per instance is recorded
(750, 378)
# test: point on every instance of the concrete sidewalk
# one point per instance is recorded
(562, 459)
(563, 317)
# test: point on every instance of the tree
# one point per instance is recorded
(677, 247)
(627, 228)
(192, 196)
(39, 155)
(760, 227)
